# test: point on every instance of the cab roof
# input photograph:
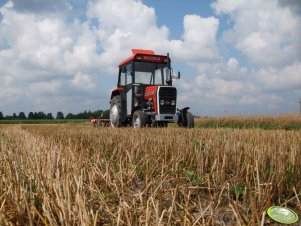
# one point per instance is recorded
(144, 53)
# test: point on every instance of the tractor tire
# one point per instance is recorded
(190, 120)
(138, 120)
(115, 112)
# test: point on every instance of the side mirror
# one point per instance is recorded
(178, 76)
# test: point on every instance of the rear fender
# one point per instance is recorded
(182, 119)
(185, 109)
(116, 92)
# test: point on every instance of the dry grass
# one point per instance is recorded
(285, 121)
(79, 175)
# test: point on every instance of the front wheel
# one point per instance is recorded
(138, 120)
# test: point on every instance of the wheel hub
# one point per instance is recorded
(114, 115)
(137, 122)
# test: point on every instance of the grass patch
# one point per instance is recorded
(44, 121)
(286, 122)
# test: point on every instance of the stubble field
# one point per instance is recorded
(80, 175)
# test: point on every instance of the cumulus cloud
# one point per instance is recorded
(216, 87)
(40, 6)
(198, 43)
(286, 78)
(83, 81)
(141, 16)
(123, 24)
(228, 87)
(135, 26)
(43, 55)
(49, 87)
(35, 44)
(293, 5)
(232, 64)
(271, 80)
(267, 34)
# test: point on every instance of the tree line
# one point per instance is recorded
(59, 115)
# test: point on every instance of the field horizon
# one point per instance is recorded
(280, 121)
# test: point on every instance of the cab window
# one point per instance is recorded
(125, 75)
(150, 73)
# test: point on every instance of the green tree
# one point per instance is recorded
(60, 115)
(49, 116)
(1, 115)
(15, 116)
(106, 114)
(97, 113)
(30, 115)
(70, 116)
(35, 115)
(22, 115)
(41, 115)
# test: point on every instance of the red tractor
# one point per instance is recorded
(144, 95)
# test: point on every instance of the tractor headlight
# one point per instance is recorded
(173, 103)
(162, 102)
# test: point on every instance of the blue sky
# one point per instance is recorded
(236, 57)
(172, 12)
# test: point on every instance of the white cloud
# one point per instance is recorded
(123, 25)
(83, 54)
(199, 40)
(40, 6)
(83, 81)
(42, 56)
(286, 78)
(49, 87)
(232, 64)
(269, 35)
(8, 4)
(118, 14)
(135, 27)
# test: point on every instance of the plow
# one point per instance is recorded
(100, 122)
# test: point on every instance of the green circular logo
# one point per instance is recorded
(282, 215)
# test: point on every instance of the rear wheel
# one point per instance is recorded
(190, 120)
(138, 120)
(115, 111)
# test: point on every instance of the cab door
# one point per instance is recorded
(125, 81)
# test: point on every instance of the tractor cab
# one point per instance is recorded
(144, 94)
